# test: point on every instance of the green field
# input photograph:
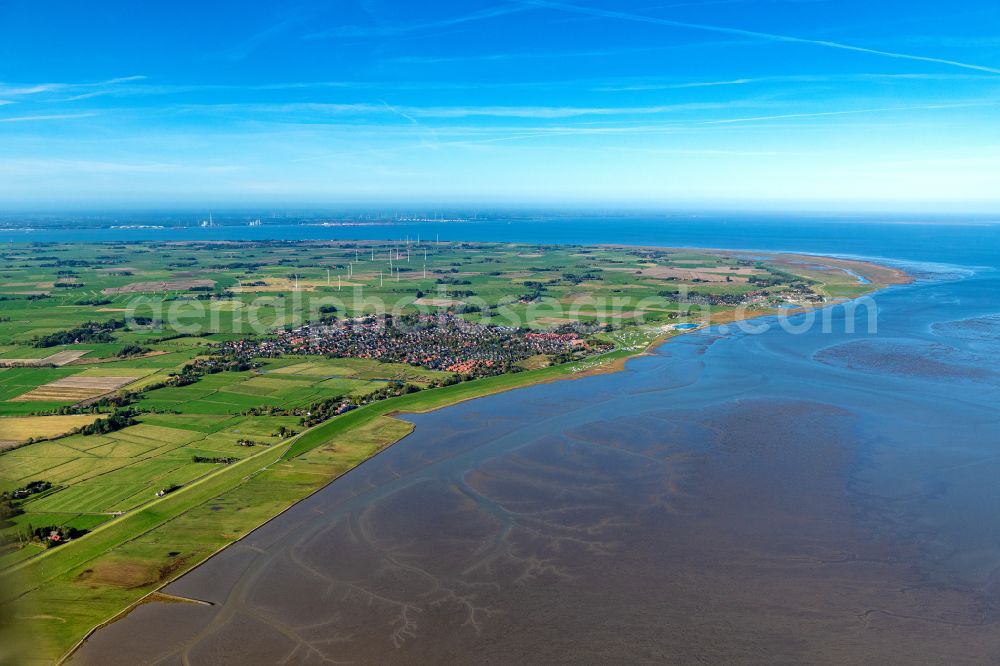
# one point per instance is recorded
(257, 279)
(107, 483)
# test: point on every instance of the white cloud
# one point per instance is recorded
(48, 166)
(819, 114)
(51, 116)
(453, 112)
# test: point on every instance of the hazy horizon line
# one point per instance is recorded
(390, 210)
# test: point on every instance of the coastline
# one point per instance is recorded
(321, 436)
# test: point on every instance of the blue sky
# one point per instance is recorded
(809, 104)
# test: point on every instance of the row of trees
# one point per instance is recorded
(54, 535)
(221, 460)
(120, 419)
(88, 331)
(131, 350)
(10, 502)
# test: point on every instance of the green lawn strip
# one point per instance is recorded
(13, 557)
(51, 563)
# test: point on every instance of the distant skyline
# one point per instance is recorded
(810, 105)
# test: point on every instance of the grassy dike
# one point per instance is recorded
(51, 602)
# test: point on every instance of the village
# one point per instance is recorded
(438, 342)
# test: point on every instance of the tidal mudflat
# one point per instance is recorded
(771, 498)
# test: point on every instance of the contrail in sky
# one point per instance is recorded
(392, 30)
(625, 16)
(53, 116)
(783, 116)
